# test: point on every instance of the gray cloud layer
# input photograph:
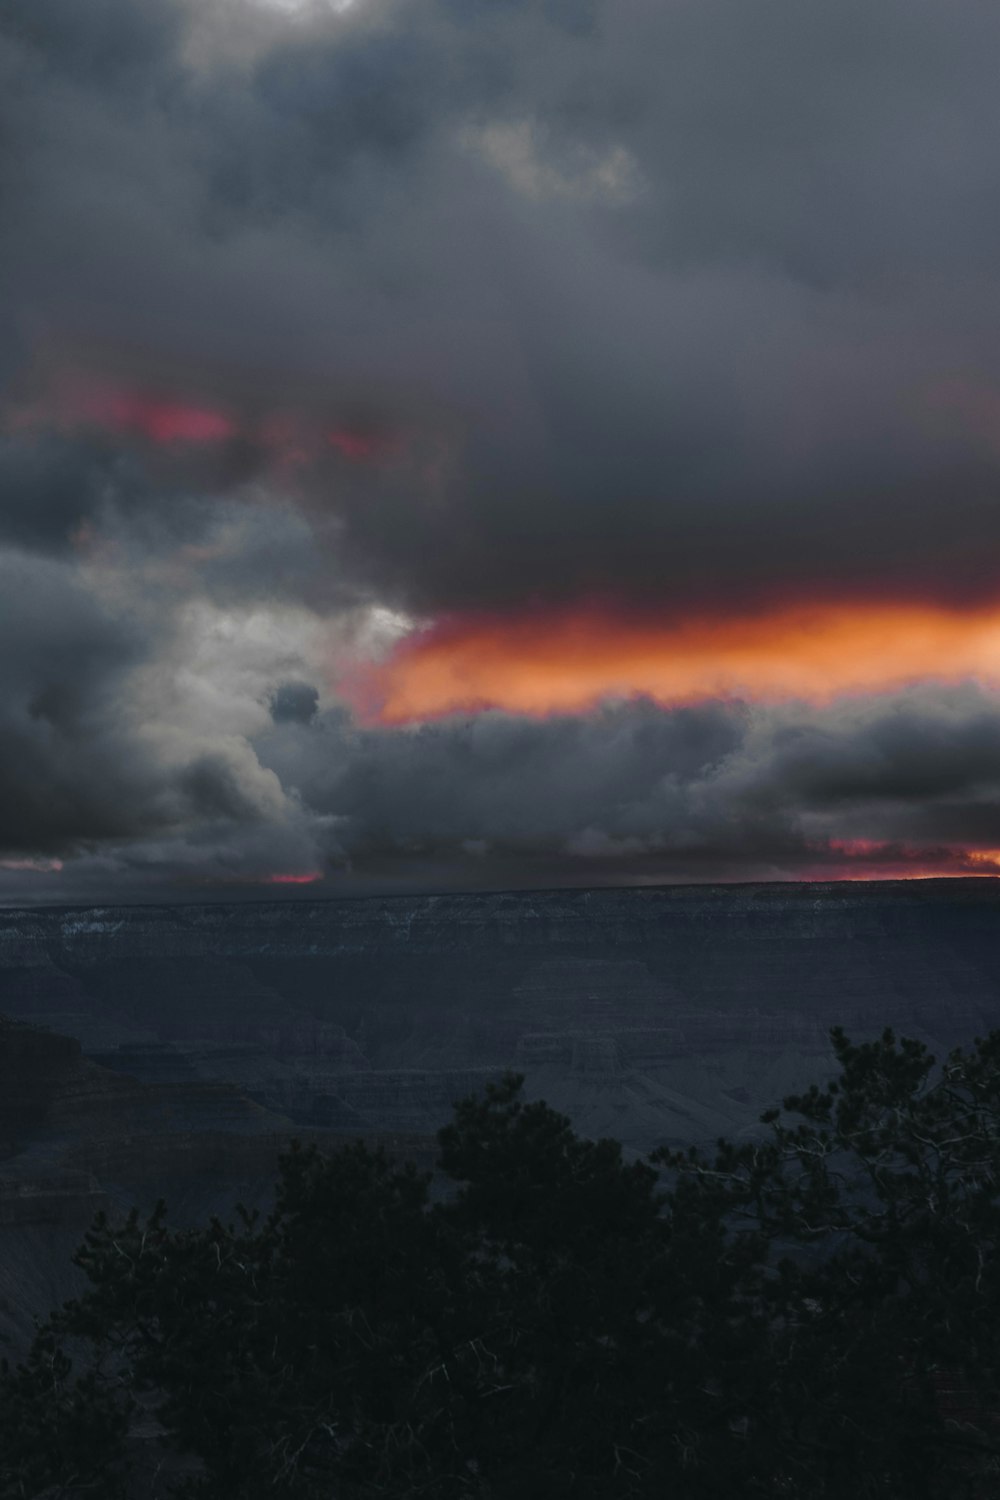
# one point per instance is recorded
(722, 782)
(653, 302)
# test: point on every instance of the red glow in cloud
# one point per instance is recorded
(570, 661)
(172, 420)
(309, 878)
(157, 419)
(355, 445)
(75, 402)
(858, 848)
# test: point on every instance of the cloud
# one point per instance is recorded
(717, 790)
(49, 491)
(728, 384)
(585, 174)
(294, 703)
(318, 327)
(120, 719)
(66, 771)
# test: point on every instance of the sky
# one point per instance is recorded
(477, 444)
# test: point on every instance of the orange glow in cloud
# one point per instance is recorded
(872, 859)
(567, 662)
(38, 866)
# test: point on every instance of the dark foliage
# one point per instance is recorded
(815, 1314)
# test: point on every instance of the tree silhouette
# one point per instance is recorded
(812, 1314)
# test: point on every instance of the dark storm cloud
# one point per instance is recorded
(63, 495)
(633, 792)
(211, 786)
(657, 303)
(294, 703)
(909, 754)
(919, 770)
(67, 773)
(87, 755)
(640, 787)
(47, 490)
(108, 43)
(696, 297)
(509, 781)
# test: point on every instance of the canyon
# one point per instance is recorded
(176, 1050)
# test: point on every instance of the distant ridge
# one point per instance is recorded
(930, 884)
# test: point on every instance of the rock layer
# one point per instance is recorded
(656, 1013)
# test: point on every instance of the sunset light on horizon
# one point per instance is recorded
(568, 661)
